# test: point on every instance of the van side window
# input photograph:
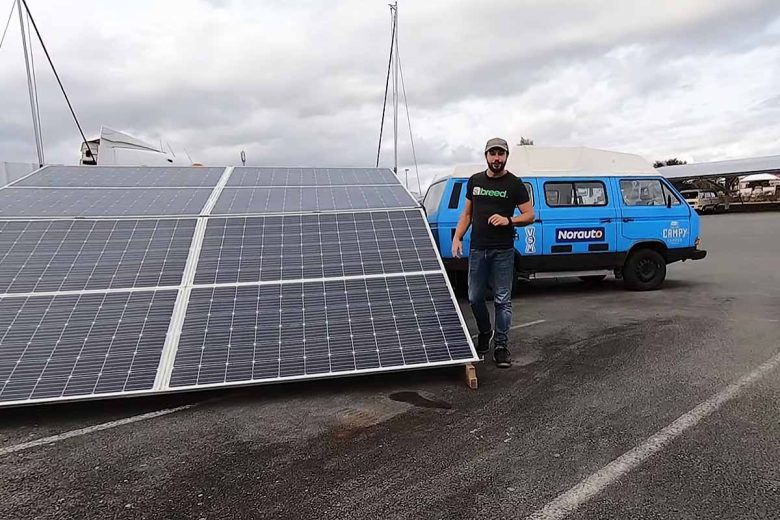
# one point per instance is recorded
(433, 197)
(591, 193)
(643, 192)
(457, 188)
(673, 195)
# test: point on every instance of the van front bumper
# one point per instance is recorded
(684, 253)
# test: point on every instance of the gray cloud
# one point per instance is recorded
(302, 83)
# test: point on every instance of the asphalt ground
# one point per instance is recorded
(604, 372)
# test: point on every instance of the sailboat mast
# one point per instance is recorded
(33, 106)
(395, 90)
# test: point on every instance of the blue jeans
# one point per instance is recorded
(496, 266)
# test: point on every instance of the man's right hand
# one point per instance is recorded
(457, 248)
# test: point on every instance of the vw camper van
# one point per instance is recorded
(597, 213)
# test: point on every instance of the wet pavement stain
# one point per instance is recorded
(417, 399)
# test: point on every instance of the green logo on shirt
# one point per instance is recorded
(489, 193)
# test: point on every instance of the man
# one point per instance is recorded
(491, 199)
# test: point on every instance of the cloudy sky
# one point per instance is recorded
(301, 83)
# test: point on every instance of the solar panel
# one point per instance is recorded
(122, 177)
(294, 330)
(110, 287)
(246, 176)
(76, 255)
(237, 201)
(100, 202)
(290, 247)
(81, 345)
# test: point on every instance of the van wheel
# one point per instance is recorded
(593, 278)
(644, 270)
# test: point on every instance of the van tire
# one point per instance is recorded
(644, 270)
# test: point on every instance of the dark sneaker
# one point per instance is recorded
(502, 357)
(483, 343)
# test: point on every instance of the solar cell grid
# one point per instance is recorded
(75, 255)
(123, 177)
(268, 332)
(96, 202)
(80, 345)
(294, 247)
(250, 176)
(237, 201)
(338, 275)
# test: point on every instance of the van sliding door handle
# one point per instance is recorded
(605, 220)
(628, 219)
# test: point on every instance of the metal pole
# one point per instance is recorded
(33, 108)
(395, 94)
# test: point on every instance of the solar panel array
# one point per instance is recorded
(81, 345)
(285, 177)
(122, 177)
(77, 255)
(313, 246)
(125, 281)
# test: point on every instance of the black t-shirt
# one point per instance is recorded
(491, 195)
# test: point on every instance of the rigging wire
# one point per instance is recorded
(387, 85)
(56, 75)
(408, 118)
(8, 22)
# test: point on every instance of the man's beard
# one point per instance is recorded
(496, 166)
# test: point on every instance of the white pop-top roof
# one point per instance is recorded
(544, 161)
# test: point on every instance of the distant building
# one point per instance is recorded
(753, 179)
(730, 168)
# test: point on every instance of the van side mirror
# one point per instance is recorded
(668, 201)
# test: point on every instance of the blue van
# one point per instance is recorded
(597, 213)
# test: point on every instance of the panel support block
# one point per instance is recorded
(470, 372)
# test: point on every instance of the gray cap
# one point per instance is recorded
(496, 142)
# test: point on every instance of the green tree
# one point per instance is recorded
(669, 162)
(526, 141)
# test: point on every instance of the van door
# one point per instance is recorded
(646, 217)
(436, 218)
(451, 207)
(578, 218)
(528, 239)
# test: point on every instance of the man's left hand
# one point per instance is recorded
(499, 220)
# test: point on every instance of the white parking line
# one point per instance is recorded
(521, 326)
(569, 501)
(91, 429)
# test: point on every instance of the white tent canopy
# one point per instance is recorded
(117, 148)
(11, 171)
